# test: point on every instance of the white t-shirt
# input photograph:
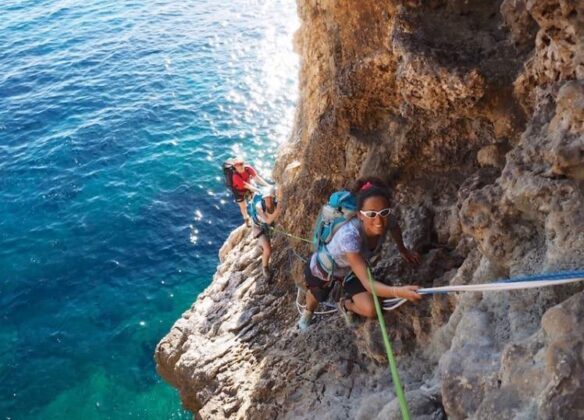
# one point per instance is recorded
(348, 238)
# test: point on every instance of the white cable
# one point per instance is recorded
(301, 307)
(391, 304)
(494, 287)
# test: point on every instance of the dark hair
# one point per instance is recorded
(368, 187)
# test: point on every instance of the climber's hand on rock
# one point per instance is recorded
(411, 257)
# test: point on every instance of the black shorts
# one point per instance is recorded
(352, 286)
(321, 289)
(261, 230)
(240, 195)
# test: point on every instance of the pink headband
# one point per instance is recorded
(366, 186)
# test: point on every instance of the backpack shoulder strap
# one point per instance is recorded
(252, 208)
(262, 202)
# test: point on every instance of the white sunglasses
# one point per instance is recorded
(372, 214)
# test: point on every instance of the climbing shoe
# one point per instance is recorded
(266, 273)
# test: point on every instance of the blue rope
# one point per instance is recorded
(562, 275)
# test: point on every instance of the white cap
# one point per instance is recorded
(269, 191)
(237, 159)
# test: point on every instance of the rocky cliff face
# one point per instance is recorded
(474, 111)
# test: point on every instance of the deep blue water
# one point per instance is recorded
(114, 119)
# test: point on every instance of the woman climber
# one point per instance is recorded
(352, 245)
(264, 209)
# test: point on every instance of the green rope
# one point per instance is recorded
(290, 235)
(403, 405)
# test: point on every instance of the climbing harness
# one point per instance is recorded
(330, 307)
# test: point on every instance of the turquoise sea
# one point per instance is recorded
(114, 119)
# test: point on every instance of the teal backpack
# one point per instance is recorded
(340, 208)
(252, 206)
